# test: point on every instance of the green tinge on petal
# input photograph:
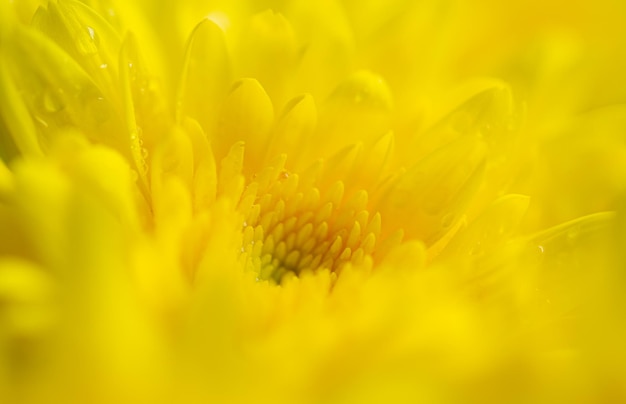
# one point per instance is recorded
(55, 90)
(84, 34)
(134, 144)
(16, 117)
(6, 180)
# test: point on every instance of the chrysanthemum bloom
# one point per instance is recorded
(299, 201)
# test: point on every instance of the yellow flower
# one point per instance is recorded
(331, 201)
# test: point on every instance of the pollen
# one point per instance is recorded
(291, 228)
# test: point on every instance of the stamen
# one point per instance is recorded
(291, 228)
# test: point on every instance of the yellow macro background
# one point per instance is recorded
(312, 201)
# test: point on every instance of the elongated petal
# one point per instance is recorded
(206, 76)
(432, 195)
(247, 116)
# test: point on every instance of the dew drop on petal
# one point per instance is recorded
(220, 19)
(97, 110)
(51, 101)
(447, 220)
(88, 45)
(572, 233)
(41, 121)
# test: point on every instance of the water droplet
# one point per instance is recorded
(572, 233)
(541, 250)
(144, 153)
(245, 224)
(52, 101)
(104, 66)
(220, 19)
(88, 45)
(511, 126)
(358, 97)
(41, 121)
(475, 249)
(97, 109)
(447, 220)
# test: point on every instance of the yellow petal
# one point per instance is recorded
(493, 228)
(16, 118)
(247, 116)
(84, 35)
(133, 142)
(27, 292)
(572, 259)
(358, 110)
(205, 170)
(484, 107)
(294, 130)
(268, 53)
(324, 35)
(433, 194)
(55, 90)
(206, 76)
(231, 181)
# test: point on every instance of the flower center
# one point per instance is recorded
(292, 228)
